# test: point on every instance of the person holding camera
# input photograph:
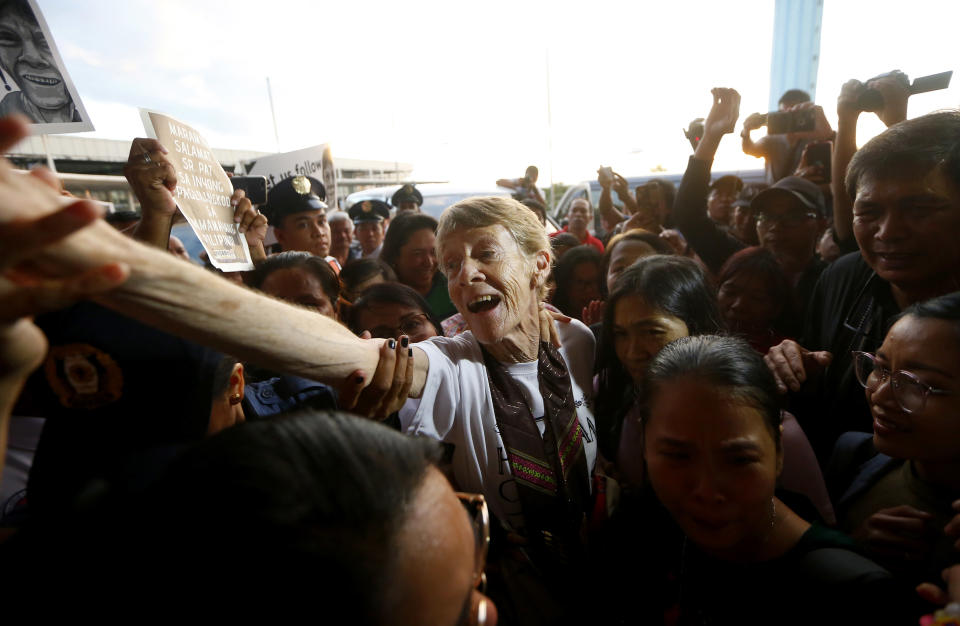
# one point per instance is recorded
(782, 148)
(906, 220)
(892, 91)
(524, 188)
(789, 215)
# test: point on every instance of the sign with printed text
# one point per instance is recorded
(33, 79)
(316, 161)
(203, 191)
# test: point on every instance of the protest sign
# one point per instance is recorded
(35, 80)
(316, 161)
(203, 191)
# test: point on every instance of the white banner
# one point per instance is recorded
(316, 161)
(203, 191)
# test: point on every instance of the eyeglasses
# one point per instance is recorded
(409, 325)
(476, 507)
(908, 390)
(413, 323)
(786, 219)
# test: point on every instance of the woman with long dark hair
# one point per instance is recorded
(577, 276)
(756, 299)
(410, 250)
(658, 299)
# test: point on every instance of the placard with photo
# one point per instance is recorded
(33, 78)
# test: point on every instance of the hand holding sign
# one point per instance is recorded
(200, 187)
(251, 223)
(152, 176)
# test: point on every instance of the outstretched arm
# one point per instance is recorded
(690, 209)
(608, 212)
(895, 96)
(203, 307)
(751, 147)
(199, 305)
(843, 149)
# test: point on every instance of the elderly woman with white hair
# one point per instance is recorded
(516, 409)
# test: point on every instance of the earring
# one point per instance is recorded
(773, 513)
(235, 399)
(773, 519)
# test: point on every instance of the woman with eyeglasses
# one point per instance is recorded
(388, 310)
(898, 492)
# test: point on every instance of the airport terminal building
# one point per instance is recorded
(93, 168)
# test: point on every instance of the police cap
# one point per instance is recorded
(369, 211)
(407, 193)
(294, 195)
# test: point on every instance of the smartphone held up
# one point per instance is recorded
(255, 187)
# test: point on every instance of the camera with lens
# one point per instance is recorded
(871, 100)
(781, 122)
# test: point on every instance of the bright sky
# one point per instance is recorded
(460, 89)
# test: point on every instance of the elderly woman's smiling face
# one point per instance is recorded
(493, 284)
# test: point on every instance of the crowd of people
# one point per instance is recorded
(720, 403)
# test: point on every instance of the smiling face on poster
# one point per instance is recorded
(203, 191)
(35, 81)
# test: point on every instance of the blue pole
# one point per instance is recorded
(796, 48)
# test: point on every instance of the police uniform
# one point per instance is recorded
(370, 211)
(121, 399)
(297, 194)
(119, 396)
(407, 193)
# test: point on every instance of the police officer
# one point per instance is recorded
(298, 215)
(369, 217)
(407, 198)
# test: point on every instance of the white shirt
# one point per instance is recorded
(456, 407)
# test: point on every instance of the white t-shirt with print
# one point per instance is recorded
(456, 407)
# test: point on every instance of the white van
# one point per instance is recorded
(436, 197)
(590, 189)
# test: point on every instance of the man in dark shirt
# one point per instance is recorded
(906, 220)
(790, 215)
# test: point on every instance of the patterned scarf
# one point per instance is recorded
(550, 470)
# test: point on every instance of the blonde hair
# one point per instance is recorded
(522, 224)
